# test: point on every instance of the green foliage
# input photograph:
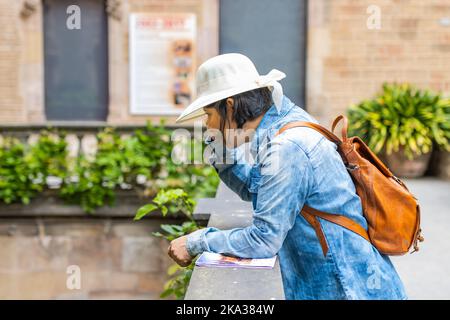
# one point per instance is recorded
(92, 184)
(98, 178)
(117, 163)
(25, 168)
(168, 201)
(16, 176)
(173, 201)
(178, 282)
(147, 151)
(198, 180)
(402, 116)
(185, 183)
(47, 157)
(93, 181)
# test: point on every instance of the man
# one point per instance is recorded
(296, 168)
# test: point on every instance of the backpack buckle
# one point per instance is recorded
(351, 166)
(419, 238)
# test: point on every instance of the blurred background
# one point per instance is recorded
(85, 84)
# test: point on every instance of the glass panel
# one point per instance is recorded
(76, 61)
(272, 34)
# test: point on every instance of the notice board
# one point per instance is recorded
(162, 62)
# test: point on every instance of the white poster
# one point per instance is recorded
(162, 62)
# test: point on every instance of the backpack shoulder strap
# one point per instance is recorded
(311, 214)
(324, 131)
(340, 220)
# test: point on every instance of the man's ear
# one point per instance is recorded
(230, 108)
(230, 102)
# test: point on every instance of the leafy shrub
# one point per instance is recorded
(92, 182)
(16, 175)
(169, 202)
(402, 116)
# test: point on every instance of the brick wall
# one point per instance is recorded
(207, 46)
(22, 58)
(348, 62)
(21, 64)
(11, 101)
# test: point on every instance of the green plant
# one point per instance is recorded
(88, 187)
(48, 155)
(93, 181)
(146, 152)
(198, 180)
(179, 281)
(16, 177)
(116, 164)
(173, 201)
(25, 168)
(402, 116)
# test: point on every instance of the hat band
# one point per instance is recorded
(226, 82)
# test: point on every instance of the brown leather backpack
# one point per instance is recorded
(391, 211)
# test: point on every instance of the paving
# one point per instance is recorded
(426, 273)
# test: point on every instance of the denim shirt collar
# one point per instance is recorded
(265, 128)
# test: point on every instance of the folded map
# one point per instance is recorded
(210, 259)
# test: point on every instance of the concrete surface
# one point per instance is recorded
(426, 273)
(232, 283)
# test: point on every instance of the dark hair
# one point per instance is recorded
(247, 106)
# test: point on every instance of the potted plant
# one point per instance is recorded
(402, 124)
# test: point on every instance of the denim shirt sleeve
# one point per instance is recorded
(234, 171)
(286, 176)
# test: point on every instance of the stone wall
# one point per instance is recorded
(347, 61)
(118, 258)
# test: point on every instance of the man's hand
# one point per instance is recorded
(178, 252)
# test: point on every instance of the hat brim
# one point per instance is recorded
(196, 108)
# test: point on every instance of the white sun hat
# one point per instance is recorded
(226, 75)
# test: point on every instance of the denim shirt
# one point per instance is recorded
(295, 168)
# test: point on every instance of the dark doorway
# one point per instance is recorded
(76, 61)
(272, 34)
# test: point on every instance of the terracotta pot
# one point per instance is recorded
(403, 167)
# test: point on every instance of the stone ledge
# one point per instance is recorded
(47, 204)
(81, 125)
(227, 211)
